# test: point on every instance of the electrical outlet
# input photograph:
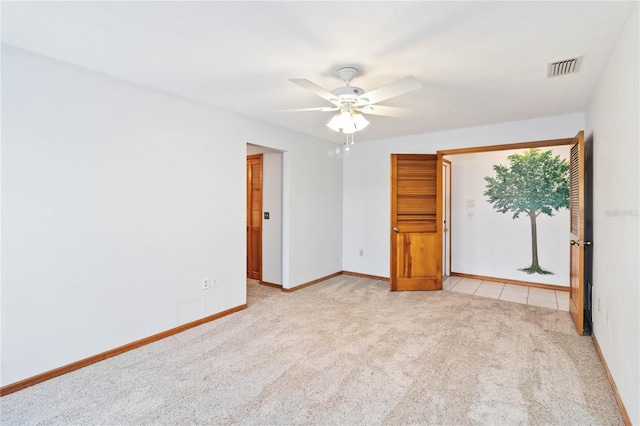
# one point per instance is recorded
(205, 283)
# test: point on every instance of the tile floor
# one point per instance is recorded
(510, 292)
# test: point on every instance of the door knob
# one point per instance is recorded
(396, 230)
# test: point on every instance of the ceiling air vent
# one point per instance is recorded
(568, 66)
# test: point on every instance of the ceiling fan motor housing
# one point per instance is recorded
(348, 92)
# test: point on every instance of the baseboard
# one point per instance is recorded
(614, 388)
(301, 286)
(508, 281)
(268, 284)
(373, 277)
(14, 387)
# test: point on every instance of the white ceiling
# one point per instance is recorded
(480, 62)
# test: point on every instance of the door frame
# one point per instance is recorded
(446, 217)
(285, 204)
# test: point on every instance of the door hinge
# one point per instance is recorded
(580, 243)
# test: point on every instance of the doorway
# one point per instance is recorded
(273, 216)
(482, 235)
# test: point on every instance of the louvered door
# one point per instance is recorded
(416, 232)
(254, 216)
(577, 231)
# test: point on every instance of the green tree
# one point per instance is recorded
(534, 183)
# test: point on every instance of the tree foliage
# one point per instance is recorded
(534, 182)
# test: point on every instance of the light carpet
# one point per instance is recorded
(343, 352)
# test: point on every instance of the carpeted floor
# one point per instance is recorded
(343, 352)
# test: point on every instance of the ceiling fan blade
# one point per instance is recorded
(312, 87)
(385, 110)
(397, 88)
(324, 109)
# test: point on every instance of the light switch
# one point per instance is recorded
(266, 215)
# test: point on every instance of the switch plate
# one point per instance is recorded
(214, 282)
(266, 215)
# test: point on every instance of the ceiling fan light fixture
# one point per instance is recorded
(359, 121)
(347, 121)
(335, 123)
(342, 120)
(349, 130)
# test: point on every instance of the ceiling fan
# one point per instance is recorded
(349, 101)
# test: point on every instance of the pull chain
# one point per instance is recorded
(348, 142)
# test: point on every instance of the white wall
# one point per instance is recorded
(312, 205)
(488, 243)
(612, 121)
(272, 227)
(272, 203)
(366, 189)
(117, 200)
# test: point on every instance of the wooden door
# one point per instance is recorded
(579, 269)
(254, 216)
(416, 231)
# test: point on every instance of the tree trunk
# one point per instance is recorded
(535, 266)
(534, 242)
